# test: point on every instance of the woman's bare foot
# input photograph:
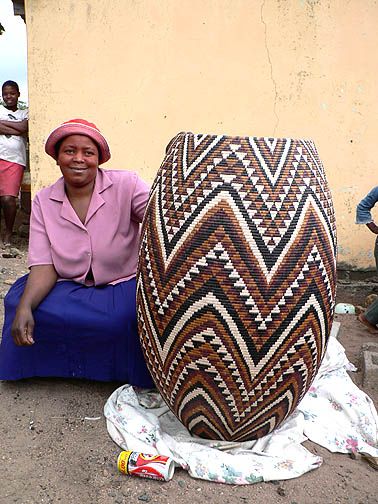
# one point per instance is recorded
(371, 328)
(7, 240)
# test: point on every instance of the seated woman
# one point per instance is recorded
(74, 315)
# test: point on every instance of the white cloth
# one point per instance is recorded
(13, 147)
(334, 413)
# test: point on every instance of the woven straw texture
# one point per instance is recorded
(236, 280)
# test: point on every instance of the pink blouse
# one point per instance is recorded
(107, 242)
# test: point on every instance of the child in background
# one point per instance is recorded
(13, 132)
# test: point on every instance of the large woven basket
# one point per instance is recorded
(236, 280)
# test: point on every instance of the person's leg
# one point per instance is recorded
(129, 357)
(1, 217)
(102, 335)
(14, 360)
(376, 253)
(80, 332)
(9, 206)
(48, 355)
(370, 317)
(10, 182)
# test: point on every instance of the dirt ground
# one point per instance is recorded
(54, 451)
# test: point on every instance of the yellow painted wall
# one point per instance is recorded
(143, 70)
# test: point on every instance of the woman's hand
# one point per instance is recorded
(23, 326)
(39, 283)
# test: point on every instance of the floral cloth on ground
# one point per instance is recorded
(334, 413)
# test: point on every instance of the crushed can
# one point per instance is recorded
(157, 467)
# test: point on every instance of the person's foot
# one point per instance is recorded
(7, 240)
(373, 329)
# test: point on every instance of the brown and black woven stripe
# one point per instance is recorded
(236, 280)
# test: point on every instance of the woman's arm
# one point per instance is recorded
(14, 127)
(40, 282)
(139, 199)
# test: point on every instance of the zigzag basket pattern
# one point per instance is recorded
(236, 280)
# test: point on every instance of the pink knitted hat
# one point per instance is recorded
(78, 127)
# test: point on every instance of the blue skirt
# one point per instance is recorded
(80, 332)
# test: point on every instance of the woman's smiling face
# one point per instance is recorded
(78, 160)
